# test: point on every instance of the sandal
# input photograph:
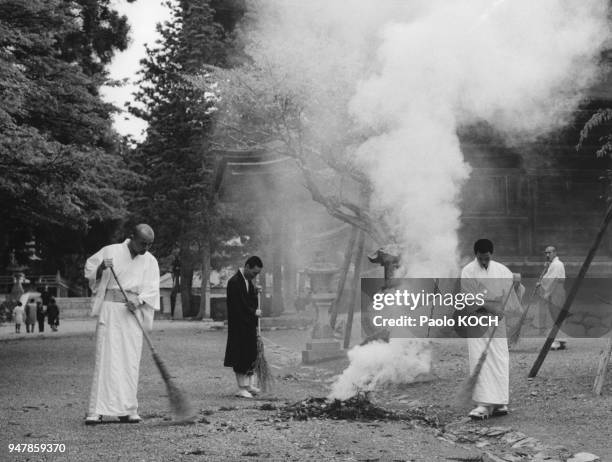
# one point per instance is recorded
(480, 413)
(93, 419)
(130, 418)
(500, 411)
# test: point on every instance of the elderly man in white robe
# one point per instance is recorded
(551, 290)
(118, 335)
(496, 282)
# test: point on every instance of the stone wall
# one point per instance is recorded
(73, 307)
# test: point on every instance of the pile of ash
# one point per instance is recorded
(358, 408)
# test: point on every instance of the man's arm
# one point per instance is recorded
(94, 266)
(149, 292)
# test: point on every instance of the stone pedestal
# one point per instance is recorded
(323, 346)
(322, 350)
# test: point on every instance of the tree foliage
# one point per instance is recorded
(61, 163)
(595, 124)
(260, 107)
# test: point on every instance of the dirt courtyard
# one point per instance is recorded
(45, 384)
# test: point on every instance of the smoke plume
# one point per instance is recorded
(376, 365)
(403, 77)
(406, 75)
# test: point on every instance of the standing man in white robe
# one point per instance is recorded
(551, 289)
(493, 280)
(118, 335)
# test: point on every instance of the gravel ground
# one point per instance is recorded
(45, 383)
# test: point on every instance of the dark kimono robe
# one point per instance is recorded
(241, 349)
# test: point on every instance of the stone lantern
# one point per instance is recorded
(323, 345)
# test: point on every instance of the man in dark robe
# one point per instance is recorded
(53, 314)
(242, 315)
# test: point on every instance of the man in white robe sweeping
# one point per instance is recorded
(118, 335)
(494, 280)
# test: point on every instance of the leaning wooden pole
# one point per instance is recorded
(572, 294)
(350, 249)
(355, 289)
(604, 360)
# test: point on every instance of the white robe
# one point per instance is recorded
(492, 386)
(552, 283)
(118, 336)
(551, 294)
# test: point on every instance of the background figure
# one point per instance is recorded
(45, 296)
(242, 314)
(30, 311)
(6, 311)
(176, 284)
(551, 290)
(18, 316)
(53, 314)
(41, 314)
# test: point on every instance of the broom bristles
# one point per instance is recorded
(262, 368)
(515, 335)
(181, 408)
(467, 390)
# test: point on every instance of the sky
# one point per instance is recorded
(142, 15)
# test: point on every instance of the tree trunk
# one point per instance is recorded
(350, 248)
(289, 259)
(204, 312)
(355, 289)
(277, 271)
(186, 279)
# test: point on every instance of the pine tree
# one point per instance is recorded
(178, 198)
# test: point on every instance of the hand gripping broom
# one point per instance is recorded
(181, 409)
(261, 368)
(465, 393)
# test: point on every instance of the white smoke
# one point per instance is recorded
(521, 66)
(404, 76)
(376, 365)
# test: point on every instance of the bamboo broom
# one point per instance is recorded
(261, 368)
(181, 408)
(464, 396)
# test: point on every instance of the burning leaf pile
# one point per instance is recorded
(358, 408)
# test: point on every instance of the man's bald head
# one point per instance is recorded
(550, 252)
(141, 239)
(144, 231)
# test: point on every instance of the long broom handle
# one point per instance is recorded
(519, 325)
(144, 332)
(503, 309)
(258, 317)
(463, 396)
(486, 350)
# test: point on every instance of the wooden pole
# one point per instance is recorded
(350, 248)
(572, 294)
(356, 289)
(604, 360)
